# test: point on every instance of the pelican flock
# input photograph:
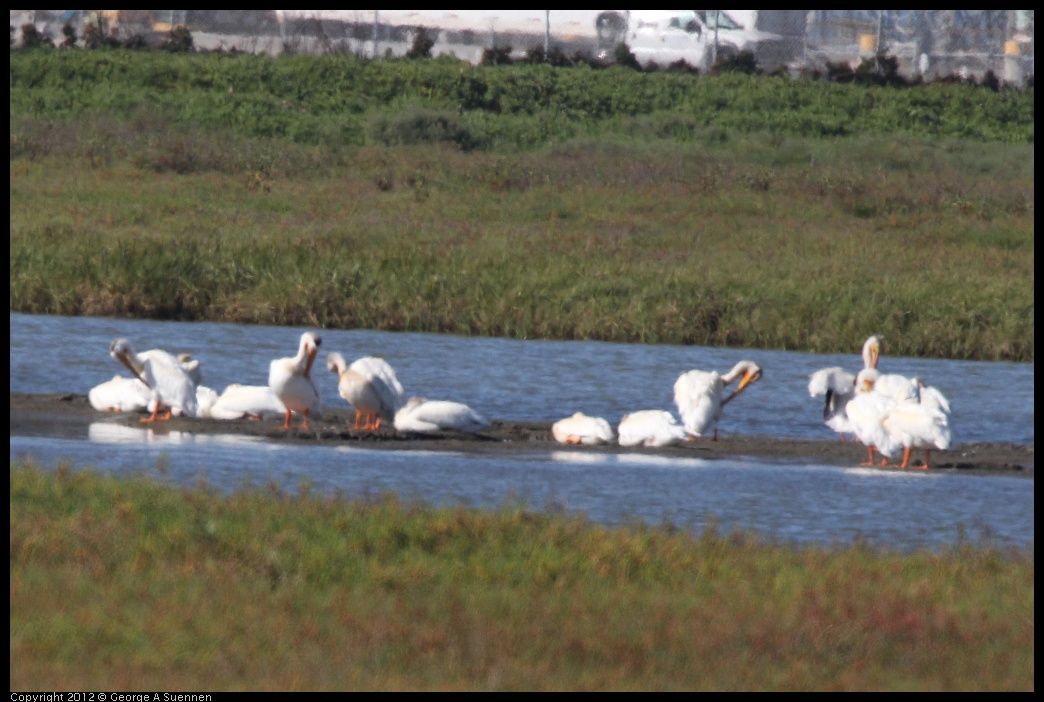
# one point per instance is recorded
(886, 412)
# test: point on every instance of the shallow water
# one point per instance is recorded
(521, 380)
(544, 381)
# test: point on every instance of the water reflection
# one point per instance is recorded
(110, 433)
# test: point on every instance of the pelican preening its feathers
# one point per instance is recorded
(170, 386)
(122, 394)
(698, 395)
(191, 366)
(370, 386)
(290, 380)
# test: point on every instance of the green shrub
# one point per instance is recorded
(741, 62)
(179, 41)
(421, 46)
(32, 37)
(623, 56)
(496, 56)
(420, 126)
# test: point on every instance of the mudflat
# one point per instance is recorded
(60, 414)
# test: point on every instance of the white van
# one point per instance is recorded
(663, 37)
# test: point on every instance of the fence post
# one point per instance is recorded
(547, 32)
(376, 24)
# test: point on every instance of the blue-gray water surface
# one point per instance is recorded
(544, 381)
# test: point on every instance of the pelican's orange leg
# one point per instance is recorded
(870, 459)
(286, 424)
(927, 459)
(155, 417)
(906, 458)
(305, 424)
(572, 439)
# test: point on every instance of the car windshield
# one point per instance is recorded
(724, 20)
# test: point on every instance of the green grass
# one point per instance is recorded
(523, 201)
(332, 100)
(755, 241)
(132, 585)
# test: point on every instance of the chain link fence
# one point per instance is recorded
(927, 44)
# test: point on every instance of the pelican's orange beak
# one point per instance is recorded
(134, 371)
(748, 378)
(875, 353)
(311, 359)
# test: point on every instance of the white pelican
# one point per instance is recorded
(922, 421)
(839, 387)
(191, 366)
(171, 387)
(581, 429)
(651, 428)
(866, 412)
(370, 386)
(896, 387)
(291, 381)
(698, 395)
(247, 401)
(120, 395)
(425, 416)
(886, 391)
(930, 395)
(205, 399)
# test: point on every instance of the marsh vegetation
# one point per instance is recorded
(130, 584)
